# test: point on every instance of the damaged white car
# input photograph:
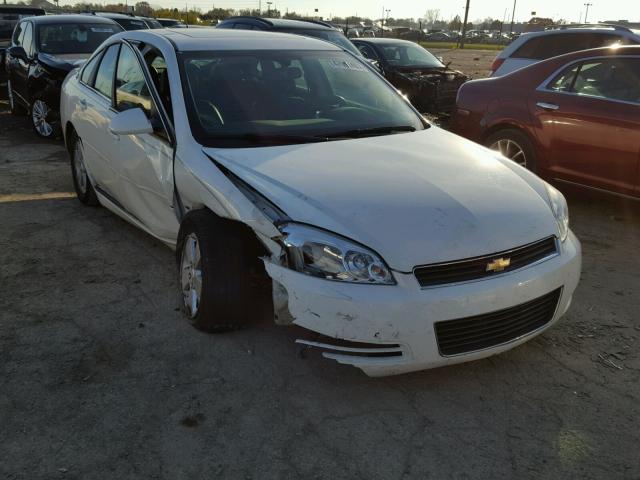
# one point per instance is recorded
(275, 159)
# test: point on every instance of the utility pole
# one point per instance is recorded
(382, 23)
(269, 9)
(464, 25)
(587, 12)
(513, 16)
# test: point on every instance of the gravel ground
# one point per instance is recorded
(101, 377)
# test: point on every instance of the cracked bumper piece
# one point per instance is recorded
(401, 321)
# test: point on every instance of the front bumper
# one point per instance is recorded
(404, 315)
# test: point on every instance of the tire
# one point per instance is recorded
(216, 260)
(14, 107)
(44, 120)
(81, 183)
(508, 142)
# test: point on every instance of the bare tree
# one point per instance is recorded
(431, 16)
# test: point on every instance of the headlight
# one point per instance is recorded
(325, 255)
(560, 210)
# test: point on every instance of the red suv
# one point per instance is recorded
(573, 118)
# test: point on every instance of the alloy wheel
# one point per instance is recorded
(511, 150)
(191, 275)
(39, 116)
(79, 170)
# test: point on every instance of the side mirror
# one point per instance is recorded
(130, 122)
(18, 52)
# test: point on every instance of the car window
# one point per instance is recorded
(547, 46)
(74, 37)
(287, 93)
(104, 76)
(409, 55)
(157, 67)
(131, 24)
(18, 33)
(564, 81)
(27, 39)
(615, 79)
(89, 70)
(368, 52)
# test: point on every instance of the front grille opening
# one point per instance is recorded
(471, 334)
(476, 268)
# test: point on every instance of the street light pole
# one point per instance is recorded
(464, 25)
(513, 15)
(587, 12)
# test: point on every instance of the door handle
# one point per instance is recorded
(547, 106)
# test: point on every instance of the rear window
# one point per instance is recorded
(131, 24)
(547, 46)
(74, 38)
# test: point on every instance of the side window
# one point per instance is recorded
(18, 33)
(547, 46)
(368, 52)
(615, 79)
(104, 77)
(157, 67)
(89, 70)
(27, 39)
(131, 86)
(564, 81)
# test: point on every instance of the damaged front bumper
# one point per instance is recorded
(387, 330)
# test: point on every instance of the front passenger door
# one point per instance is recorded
(144, 163)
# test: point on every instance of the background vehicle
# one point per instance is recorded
(43, 51)
(574, 118)
(308, 28)
(171, 23)
(126, 21)
(530, 48)
(300, 172)
(429, 84)
(10, 15)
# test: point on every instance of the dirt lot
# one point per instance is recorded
(101, 377)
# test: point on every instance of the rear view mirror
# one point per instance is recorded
(18, 52)
(130, 122)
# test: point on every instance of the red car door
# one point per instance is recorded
(589, 123)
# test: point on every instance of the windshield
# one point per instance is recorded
(409, 55)
(290, 96)
(73, 37)
(332, 36)
(131, 24)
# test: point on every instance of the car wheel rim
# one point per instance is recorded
(79, 170)
(511, 150)
(191, 275)
(10, 95)
(39, 115)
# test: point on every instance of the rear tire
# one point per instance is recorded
(81, 183)
(515, 145)
(215, 262)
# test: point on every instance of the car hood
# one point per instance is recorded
(64, 61)
(414, 198)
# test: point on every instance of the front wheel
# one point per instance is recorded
(43, 119)
(514, 145)
(215, 264)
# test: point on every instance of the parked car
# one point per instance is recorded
(308, 28)
(125, 20)
(171, 23)
(10, 15)
(43, 51)
(573, 118)
(284, 163)
(439, 37)
(430, 85)
(533, 47)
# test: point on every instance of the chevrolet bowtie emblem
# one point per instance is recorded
(498, 265)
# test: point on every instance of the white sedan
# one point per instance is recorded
(279, 160)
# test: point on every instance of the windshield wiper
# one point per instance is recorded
(371, 132)
(271, 139)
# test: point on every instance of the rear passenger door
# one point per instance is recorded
(589, 118)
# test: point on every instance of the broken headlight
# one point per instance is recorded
(322, 254)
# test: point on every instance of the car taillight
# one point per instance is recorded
(497, 63)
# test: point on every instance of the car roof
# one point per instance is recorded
(202, 39)
(384, 41)
(579, 29)
(114, 15)
(284, 23)
(71, 18)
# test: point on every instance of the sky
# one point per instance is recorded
(570, 10)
